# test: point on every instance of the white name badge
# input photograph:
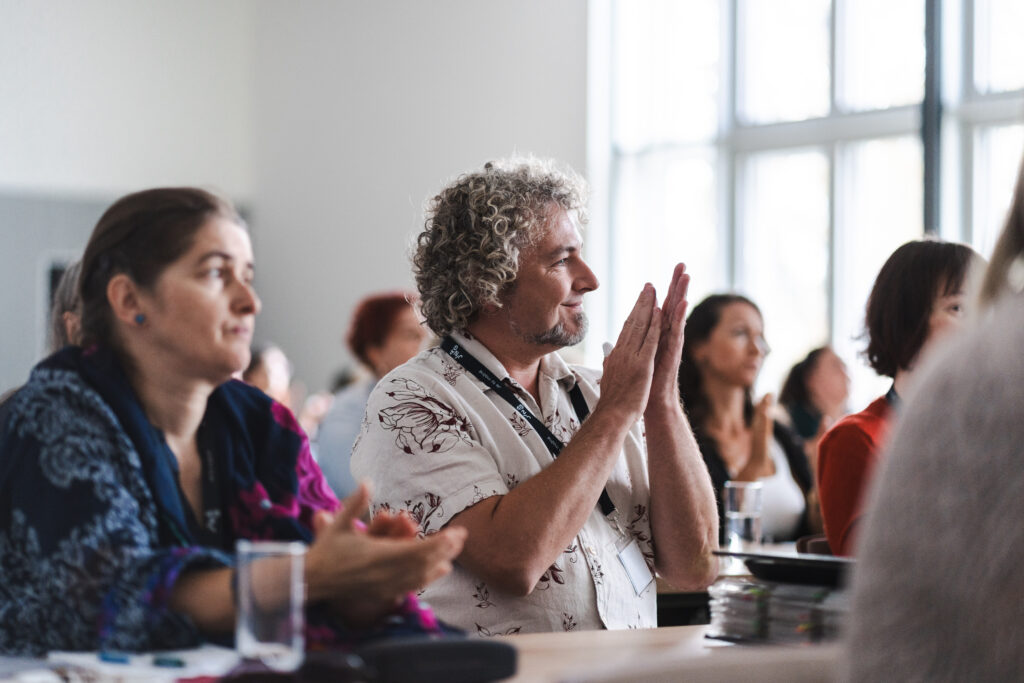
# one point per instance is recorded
(636, 567)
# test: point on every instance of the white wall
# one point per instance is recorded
(99, 97)
(363, 110)
(332, 121)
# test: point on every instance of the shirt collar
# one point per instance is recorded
(552, 366)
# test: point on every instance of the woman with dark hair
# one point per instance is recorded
(936, 594)
(917, 298)
(815, 392)
(132, 464)
(722, 355)
(384, 333)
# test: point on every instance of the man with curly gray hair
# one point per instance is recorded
(574, 485)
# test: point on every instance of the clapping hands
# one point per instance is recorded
(365, 573)
(640, 371)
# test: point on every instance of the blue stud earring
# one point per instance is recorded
(139, 318)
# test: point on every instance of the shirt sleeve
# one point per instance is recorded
(846, 456)
(422, 454)
(81, 564)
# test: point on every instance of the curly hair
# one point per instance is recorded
(475, 229)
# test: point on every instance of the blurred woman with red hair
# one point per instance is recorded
(384, 333)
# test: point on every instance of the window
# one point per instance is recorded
(776, 147)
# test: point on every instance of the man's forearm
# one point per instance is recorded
(514, 538)
(684, 517)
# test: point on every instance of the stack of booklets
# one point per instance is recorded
(746, 609)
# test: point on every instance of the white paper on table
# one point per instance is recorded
(208, 660)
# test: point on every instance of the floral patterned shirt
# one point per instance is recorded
(436, 440)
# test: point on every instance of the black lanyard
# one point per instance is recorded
(209, 529)
(579, 404)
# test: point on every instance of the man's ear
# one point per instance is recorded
(124, 299)
(489, 308)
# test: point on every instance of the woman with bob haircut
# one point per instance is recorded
(384, 333)
(723, 351)
(131, 464)
(936, 594)
(917, 299)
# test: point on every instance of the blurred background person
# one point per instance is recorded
(813, 397)
(66, 312)
(270, 371)
(936, 591)
(65, 319)
(723, 352)
(917, 298)
(815, 392)
(384, 333)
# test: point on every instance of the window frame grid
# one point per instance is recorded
(954, 102)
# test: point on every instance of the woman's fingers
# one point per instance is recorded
(353, 507)
(322, 519)
(438, 551)
(393, 526)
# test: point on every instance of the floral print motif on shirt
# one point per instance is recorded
(451, 370)
(422, 422)
(571, 552)
(424, 511)
(479, 495)
(483, 596)
(520, 424)
(563, 429)
(484, 631)
(553, 575)
(639, 526)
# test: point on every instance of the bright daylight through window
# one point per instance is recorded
(776, 147)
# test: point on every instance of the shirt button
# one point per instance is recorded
(590, 550)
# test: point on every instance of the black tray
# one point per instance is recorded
(807, 569)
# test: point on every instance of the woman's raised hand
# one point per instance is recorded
(365, 574)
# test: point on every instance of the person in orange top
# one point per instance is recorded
(917, 298)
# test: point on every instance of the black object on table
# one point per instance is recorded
(399, 660)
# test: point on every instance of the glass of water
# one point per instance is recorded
(271, 593)
(742, 504)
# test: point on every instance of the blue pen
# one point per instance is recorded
(114, 657)
(168, 661)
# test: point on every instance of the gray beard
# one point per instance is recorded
(558, 335)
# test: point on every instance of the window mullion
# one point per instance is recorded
(931, 115)
(729, 196)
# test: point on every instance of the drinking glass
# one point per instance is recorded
(742, 517)
(271, 594)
